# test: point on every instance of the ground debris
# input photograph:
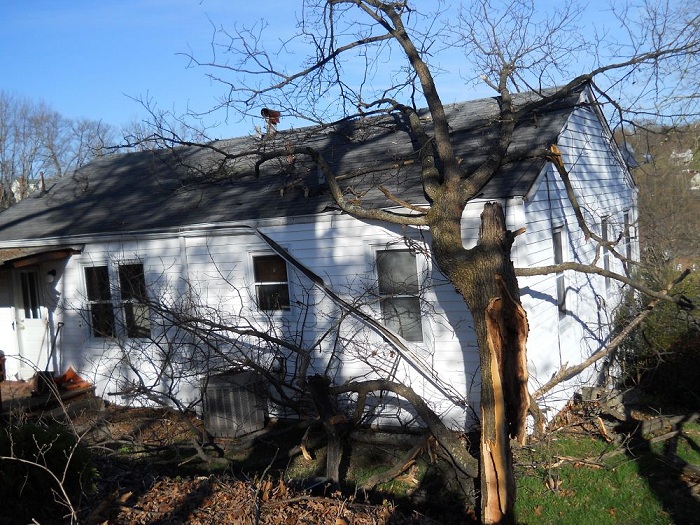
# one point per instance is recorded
(225, 499)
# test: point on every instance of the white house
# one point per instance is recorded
(197, 234)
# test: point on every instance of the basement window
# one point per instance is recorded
(271, 283)
(399, 293)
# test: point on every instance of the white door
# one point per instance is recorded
(31, 322)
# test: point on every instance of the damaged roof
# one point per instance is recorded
(188, 185)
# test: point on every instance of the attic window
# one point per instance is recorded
(399, 293)
(271, 283)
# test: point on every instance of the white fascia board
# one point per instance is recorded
(535, 185)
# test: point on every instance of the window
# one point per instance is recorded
(132, 288)
(133, 310)
(271, 284)
(30, 295)
(399, 293)
(557, 240)
(606, 251)
(99, 298)
(628, 238)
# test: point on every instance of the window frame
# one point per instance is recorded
(253, 255)
(116, 308)
(628, 233)
(559, 257)
(605, 236)
(97, 303)
(383, 298)
(30, 294)
(127, 306)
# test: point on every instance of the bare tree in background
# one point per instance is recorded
(37, 142)
(668, 175)
(509, 46)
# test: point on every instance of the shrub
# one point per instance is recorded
(28, 491)
(661, 356)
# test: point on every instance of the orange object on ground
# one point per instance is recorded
(71, 380)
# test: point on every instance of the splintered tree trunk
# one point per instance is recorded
(333, 423)
(504, 404)
(485, 277)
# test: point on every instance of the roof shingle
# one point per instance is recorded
(152, 190)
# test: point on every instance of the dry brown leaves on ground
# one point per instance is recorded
(223, 499)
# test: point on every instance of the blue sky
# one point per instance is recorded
(88, 59)
(85, 58)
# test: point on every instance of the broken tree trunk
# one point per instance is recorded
(334, 423)
(502, 334)
(485, 277)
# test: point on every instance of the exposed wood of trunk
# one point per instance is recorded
(497, 482)
(507, 329)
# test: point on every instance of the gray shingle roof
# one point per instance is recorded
(153, 190)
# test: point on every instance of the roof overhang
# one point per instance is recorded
(20, 257)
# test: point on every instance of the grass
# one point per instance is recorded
(639, 487)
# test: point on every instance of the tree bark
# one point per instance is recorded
(334, 423)
(485, 277)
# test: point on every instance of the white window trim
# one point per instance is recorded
(422, 269)
(115, 292)
(251, 254)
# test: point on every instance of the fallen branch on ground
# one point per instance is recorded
(406, 461)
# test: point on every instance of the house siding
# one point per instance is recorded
(604, 190)
(336, 247)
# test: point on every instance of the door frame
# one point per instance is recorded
(28, 357)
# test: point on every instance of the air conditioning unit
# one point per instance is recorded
(234, 404)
